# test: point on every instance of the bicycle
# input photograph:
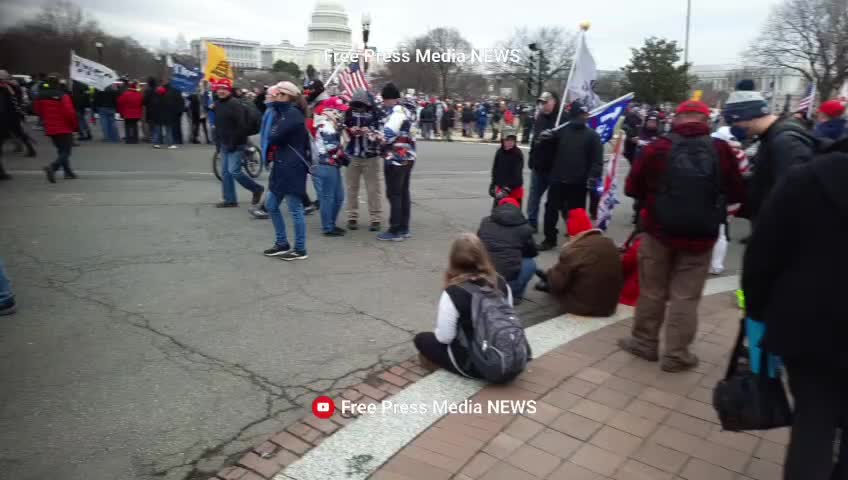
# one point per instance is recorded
(251, 162)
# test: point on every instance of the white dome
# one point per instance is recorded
(329, 6)
(329, 25)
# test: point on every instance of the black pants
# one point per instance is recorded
(397, 191)
(594, 202)
(177, 132)
(562, 197)
(821, 406)
(18, 132)
(63, 144)
(435, 351)
(195, 130)
(131, 131)
(525, 135)
(3, 173)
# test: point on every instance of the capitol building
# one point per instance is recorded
(328, 30)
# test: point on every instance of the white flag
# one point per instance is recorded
(91, 73)
(580, 86)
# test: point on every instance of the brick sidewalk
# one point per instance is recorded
(602, 414)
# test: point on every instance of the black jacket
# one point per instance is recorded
(467, 115)
(784, 144)
(230, 128)
(508, 238)
(106, 98)
(428, 114)
(542, 153)
(448, 119)
(194, 107)
(579, 154)
(796, 261)
(154, 107)
(81, 97)
(174, 105)
(508, 168)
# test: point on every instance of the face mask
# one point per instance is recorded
(738, 132)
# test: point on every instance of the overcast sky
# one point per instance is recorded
(721, 29)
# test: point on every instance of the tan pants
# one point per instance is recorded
(676, 278)
(372, 170)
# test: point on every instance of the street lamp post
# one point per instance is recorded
(534, 47)
(366, 30)
(688, 21)
(99, 47)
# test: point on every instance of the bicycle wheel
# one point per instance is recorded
(216, 165)
(251, 163)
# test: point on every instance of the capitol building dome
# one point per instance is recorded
(329, 30)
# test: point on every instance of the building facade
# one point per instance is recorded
(243, 54)
(777, 84)
(327, 31)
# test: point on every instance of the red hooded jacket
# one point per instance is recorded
(649, 169)
(131, 105)
(57, 112)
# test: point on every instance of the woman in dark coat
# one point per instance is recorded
(288, 152)
(794, 281)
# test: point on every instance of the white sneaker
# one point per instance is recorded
(172, 147)
(157, 146)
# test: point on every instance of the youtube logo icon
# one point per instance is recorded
(323, 407)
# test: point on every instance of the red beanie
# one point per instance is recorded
(509, 201)
(832, 108)
(578, 222)
(222, 83)
(161, 90)
(694, 106)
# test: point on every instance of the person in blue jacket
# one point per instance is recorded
(482, 118)
(286, 147)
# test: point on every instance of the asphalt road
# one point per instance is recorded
(154, 341)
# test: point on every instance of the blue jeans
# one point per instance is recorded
(84, 130)
(519, 285)
(5, 287)
(158, 137)
(316, 183)
(232, 173)
(331, 195)
(107, 123)
(538, 186)
(295, 204)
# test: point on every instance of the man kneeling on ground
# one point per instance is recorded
(587, 279)
(509, 240)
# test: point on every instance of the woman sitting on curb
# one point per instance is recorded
(469, 262)
(588, 277)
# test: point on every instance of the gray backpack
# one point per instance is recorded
(498, 349)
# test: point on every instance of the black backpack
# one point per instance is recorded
(690, 201)
(498, 349)
(252, 119)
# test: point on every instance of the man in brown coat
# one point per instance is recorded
(588, 278)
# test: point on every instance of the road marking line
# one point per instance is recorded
(359, 449)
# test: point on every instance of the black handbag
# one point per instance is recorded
(745, 400)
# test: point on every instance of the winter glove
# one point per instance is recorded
(546, 135)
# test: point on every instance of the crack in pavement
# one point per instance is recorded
(292, 394)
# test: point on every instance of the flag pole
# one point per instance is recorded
(571, 72)
(334, 74)
(812, 101)
(599, 109)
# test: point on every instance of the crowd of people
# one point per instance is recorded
(783, 172)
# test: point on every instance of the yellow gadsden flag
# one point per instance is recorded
(698, 95)
(217, 65)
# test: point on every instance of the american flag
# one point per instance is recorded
(806, 103)
(352, 79)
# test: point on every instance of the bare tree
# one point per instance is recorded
(63, 26)
(558, 46)
(453, 51)
(809, 37)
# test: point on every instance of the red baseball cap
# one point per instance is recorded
(222, 83)
(832, 108)
(694, 106)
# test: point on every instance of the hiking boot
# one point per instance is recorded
(294, 255)
(277, 250)
(51, 175)
(226, 205)
(256, 197)
(631, 346)
(674, 365)
(352, 225)
(546, 245)
(375, 227)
